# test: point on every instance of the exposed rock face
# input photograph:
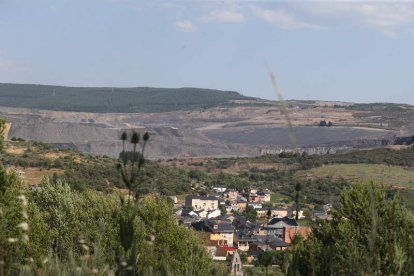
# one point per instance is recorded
(239, 131)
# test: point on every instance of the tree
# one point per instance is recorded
(269, 214)
(222, 209)
(22, 229)
(298, 188)
(371, 233)
(250, 213)
(267, 258)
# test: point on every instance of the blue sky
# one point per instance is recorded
(328, 50)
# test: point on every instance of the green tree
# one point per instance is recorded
(298, 188)
(371, 233)
(22, 230)
(72, 216)
(250, 213)
(222, 209)
(266, 258)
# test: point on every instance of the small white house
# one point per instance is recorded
(214, 214)
(219, 189)
(255, 205)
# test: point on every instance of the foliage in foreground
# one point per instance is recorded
(371, 233)
(70, 231)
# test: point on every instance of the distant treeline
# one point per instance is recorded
(117, 100)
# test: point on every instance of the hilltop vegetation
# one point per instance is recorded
(113, 100)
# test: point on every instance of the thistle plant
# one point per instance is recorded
(129, 166)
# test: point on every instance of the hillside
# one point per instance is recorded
(321, 178)
(114, 100)
(192, 122)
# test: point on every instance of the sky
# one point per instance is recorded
(328, 50)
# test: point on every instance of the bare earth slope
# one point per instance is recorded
(243, 128)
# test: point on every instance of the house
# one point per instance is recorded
(291, 232)
(279, 212)
(213, 213)
(264, 196)
(219, 189)
(243, 243)
(202, 213)
(274, 212)
(186, 213)
(276, 227)
(300, 214)
(255, 205)
(241, 205)
(220, 233)
(227, 217)
(259, 243)
(262, 213)
(230, 195)
(251, 197)
(198, 203)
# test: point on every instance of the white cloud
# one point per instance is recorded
(386, 17)
(282, 19)
(225, 16)
(185, 26)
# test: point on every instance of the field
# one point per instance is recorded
(398, 177)
(34, 176)
(305, 135)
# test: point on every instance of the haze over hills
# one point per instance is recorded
(194, 122)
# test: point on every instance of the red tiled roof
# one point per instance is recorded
(227, 248)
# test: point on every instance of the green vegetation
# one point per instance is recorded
(387, 175)
(250, 213)
(403, 157)
(261, 271)
(53, 229)
(370, 234)
(117, 100)
(269, 258)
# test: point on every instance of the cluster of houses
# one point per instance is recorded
(235, 201)
(225, 234)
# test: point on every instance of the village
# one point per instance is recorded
(244, 223)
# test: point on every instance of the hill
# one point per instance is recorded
(112, 100)
(321, 178)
